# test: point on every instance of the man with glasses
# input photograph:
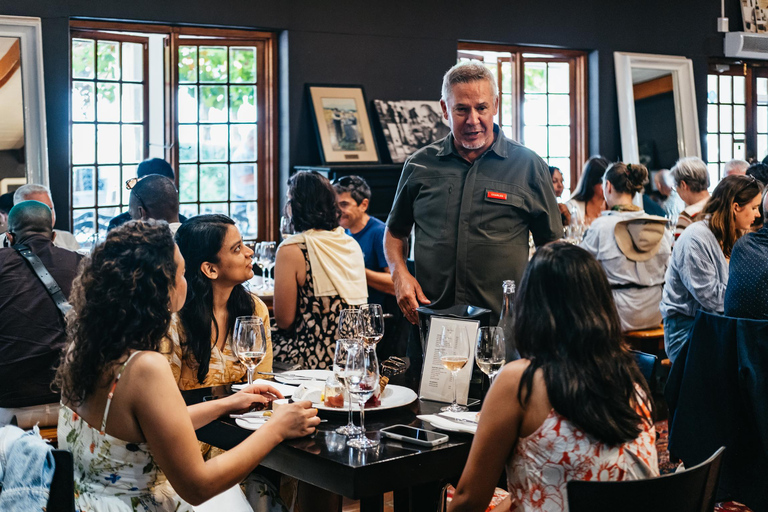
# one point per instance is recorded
(155, 197)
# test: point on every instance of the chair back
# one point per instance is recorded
(647, 364)
(62, 496)
(692, 490)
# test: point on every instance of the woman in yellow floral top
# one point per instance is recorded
(198, 343)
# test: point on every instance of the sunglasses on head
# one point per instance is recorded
(129, 184)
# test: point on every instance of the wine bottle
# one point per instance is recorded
(507, 321)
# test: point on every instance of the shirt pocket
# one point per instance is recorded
(435, 208)
(503, 211)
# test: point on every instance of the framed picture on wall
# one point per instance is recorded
(755, 15)
(341, 121)
(410, 125)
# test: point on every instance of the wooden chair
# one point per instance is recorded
(650, 341)
(692, 490)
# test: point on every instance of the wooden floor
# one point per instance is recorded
(354, 506)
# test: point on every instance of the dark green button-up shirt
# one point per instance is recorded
(472, 219)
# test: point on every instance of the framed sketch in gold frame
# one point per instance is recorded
(342, 125)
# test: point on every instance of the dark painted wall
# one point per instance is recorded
(396, 49)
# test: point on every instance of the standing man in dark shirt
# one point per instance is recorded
(32, 330)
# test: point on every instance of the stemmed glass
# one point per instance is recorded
(339, 365)
(350, 324)
(372, 323)
(249, 342)
(454, 354)
(286, 227)
(362, 377)
(268, 250)
(489, 350)
(256, 258)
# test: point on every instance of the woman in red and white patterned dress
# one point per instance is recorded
(575, 407)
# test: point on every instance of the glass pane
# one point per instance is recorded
(243, 61)
(506, 77)
(214, 208)
(762, 91)
(188, 143)
(188, 104)
(129, 171)
(762, 119)
(187, 183)
(109, 143)
(507, 132)
(187, 64)
(213, 64)
(762, 145)
(213, 143)
(213, 182)
(725, 89)
(711, 88)
(712, 148)
(714, 172)
(82, 101)
(108, 60)
(243, 184)
(188, 210)
(535, 77)
(560, 109)
(712, 118)
(738, 118)
(506, 109)
(133, 62)
(106, 215)
(213, 104)
(108, 103)
(109, 185)
(535, 109)
(82, 187)
(242, 104)
(244, 214)
(560, 141)
(726, 118)
(133, 143)
(726, 147)
(242, 142)
(739, 147)
(535, 138)
(739, 89)
(133, 103)
(82, 58)
(83, 226)
(83, 143)
(559, 79)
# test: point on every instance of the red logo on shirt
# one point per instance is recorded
(496, 195)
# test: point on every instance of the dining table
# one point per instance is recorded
(415, 474)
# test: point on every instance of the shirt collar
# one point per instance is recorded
(499, 145)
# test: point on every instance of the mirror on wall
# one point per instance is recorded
(23, 149)
(657, 109)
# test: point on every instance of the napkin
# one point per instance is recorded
(285, 389)
(455, 426)
(312, 391)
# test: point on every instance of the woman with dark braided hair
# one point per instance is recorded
(127, 439)
(575, 407)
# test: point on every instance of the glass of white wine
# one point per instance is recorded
(454, 354)
(489, 350)
(372, 323)
(249, 342)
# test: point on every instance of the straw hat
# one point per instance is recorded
(639, 239)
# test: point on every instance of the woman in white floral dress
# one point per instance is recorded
(123, 416)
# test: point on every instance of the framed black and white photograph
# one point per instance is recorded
(342, 124)
(410, 125)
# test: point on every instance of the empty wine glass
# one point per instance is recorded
(372, 323)
(286, 227)
(454, 354)
(489, 350)
(350, 324)
(256, 258)
(362, 378)
(339, 365)
(249, 342)
(268, 250)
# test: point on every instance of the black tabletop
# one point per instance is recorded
(324, 459)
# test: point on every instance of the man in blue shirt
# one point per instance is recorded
(354, 195)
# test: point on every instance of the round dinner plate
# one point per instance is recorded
(393, 397)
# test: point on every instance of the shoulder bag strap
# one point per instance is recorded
(51, 286)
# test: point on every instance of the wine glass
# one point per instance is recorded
(454, 354)
(286, 227)
(256, 258)
(489, 350)
(339, 365)
(372, 323)
(268, 260)
(249, 342)
(350, 324)
(362, 378)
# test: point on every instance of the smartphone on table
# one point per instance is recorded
(414, 435)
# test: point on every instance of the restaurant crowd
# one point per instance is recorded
(105, 350)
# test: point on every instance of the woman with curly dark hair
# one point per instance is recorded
(575, 407)
(318, 272)
(123, 436)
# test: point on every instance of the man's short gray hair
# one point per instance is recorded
(693, 171)
(466, 72)
(24, 192)
(736, 166)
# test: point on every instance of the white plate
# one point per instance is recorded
(249, 425)
(393, 397)
(317, 375)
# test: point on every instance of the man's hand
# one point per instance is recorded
(409, 294)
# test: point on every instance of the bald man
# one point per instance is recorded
(32, 330)
(155, 197)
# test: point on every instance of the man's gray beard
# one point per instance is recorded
(473, 147)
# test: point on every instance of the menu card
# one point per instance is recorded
(436, 383)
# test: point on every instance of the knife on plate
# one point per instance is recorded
(458, 420)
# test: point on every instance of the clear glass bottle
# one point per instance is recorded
(507, 320)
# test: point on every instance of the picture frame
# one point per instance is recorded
(409, 125)
(342, 124)
(755, 16)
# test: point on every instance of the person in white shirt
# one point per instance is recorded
(33, 192)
